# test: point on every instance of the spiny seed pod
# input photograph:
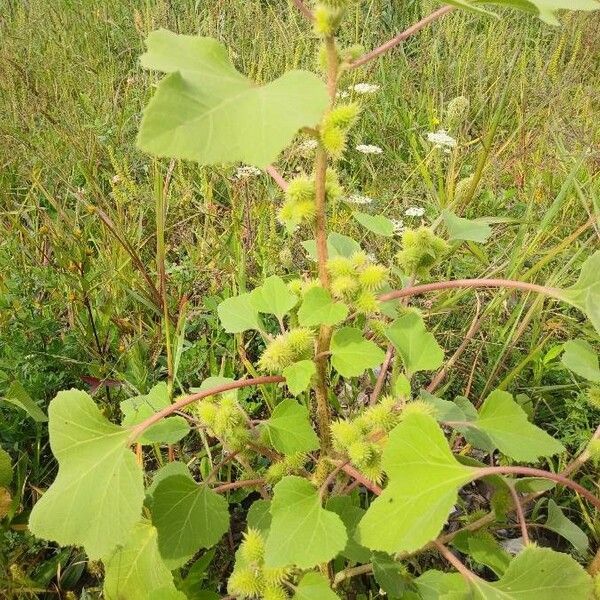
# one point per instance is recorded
(274, 592)
(206, 412)
(343, 115)
(421, 250)
(344, 434)
(245, 583)
(295, 462)
(309, 284)
(252, 548)
(373, 277)
(462, 189)
(333, 189)
(351, 53)
(333, 139)
(359, 259)
(594, 450)
(340, 266)
(305, 210)
(419, 407)
(322, 470)
(300, 188)
(382, 415)
(301, 340)
(236, 438)
(359, 452)
(593, 397)
(338, 3)
(367, 303)
(275, 472)
(295, 286)
(343, 286)
(457, 112)
(322, 58)
(275, 575)
(326, 20)
(372, 466)
(378, 328)
(286, 349)
(286, 257)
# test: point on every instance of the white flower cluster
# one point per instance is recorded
(398, 225)
(246, 171)
(441, 138)
(358, 199)
(369, 149)
(307, 146)
(365, 88)
(414, 211)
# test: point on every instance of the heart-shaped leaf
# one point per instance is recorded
(238, 314)
(318, 308)
(299, 375)
(378, 224)
(351, 354)
(465, 229)
(580, 358)
(273, 297)
(289, 429)
(314, 586)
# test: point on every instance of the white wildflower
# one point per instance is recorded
(358, 199)
(414, 211)
(343, 94)
(307, 146)
(398, 225)
(246, 171)
(369, 149)
(365, 88)
(441, 138)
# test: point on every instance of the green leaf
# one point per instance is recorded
(351, 354)
(314, 586)
(483, 549)
(402, 386)
(204, 110)
(466, 229)
(433, 585)
(166, 431)
(424, 479)
(238, 314)
(337, 245)
(351, 516)
(17, 395)
(171, 468)
(299, 375)
(506, 424)
(97, 497)
(289, 429)
(319, 309)
(273, 297)
(533, 485)
(302, 532)
(580, 358)
(378, 224)
(188, 517)
(6, 470)
(391, 576)
(417, 347)
(559, 523)
(136, 570)
(537, 573)
(585, 294)
(259, 516)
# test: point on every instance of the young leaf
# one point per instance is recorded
(238, 314)
(337, 245)
(580, 358)
(506, 424)
(302, 532)
(289, 429)
(417, 347)
(298, 376)
(391, 575)
(560, 524)
(273, 297)
(259, 516)
(585, 294)
(351, 516)
(318, 308)
(17, 395)
(537, 573)
(204, 110)
(424, 479)
(97, 497)
(434, 585)
(314, 586)
(167, 431)
(483, 549)
(136, 570)
(188, 517)
(378, 224)
(465, 229)
(351, 354)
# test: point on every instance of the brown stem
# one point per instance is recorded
(234, 485)
(462, 569)
(382, 374)
(165, 412)
(370, 485)
(440, 12)
(303, 9)
(520, 513)
(277, 177)
(468, 283)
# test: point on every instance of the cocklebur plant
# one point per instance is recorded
(343, 484)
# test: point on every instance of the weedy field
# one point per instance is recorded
(113, 264)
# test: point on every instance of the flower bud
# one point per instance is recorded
(421, 251)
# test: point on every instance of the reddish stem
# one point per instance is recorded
(277, 177)
(440, 12)
(462, 569)
(520, 513)
(382, 374)
(468, 283)
(233, 485)
(370, 485)
(169, 410)
(303, 9)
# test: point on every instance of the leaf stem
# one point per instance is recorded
(457, 564)
(277, 177)
(520, 513)
(234, 485)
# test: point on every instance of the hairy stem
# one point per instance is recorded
(277, 177)
(520, 513)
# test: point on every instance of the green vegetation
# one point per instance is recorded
(414, 316)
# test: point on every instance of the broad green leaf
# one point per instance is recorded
(259, 516)
(351, 516)
(196, 575)
(337, 245)
(391, 576)
(580, 358)
(532, 485)
(585, 294)
(424, 479)
(171, 468)
(135, 570)
(167, 431)
(559, 523)
(6, 470)
(314, 586)
(169, 593)
(378, 224)
(417, 347)
(537, 573)
(506, 424)
(17, 395)
(466, 229)
(483, 549)
(351, 354)
(401, 386)
(289, 429)
(302, 532)
(238, 314)
(188, 517)
(299, 375)
(97, 497)
(204, 110)
(433, 585)
(318, 308)
(273, 297)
